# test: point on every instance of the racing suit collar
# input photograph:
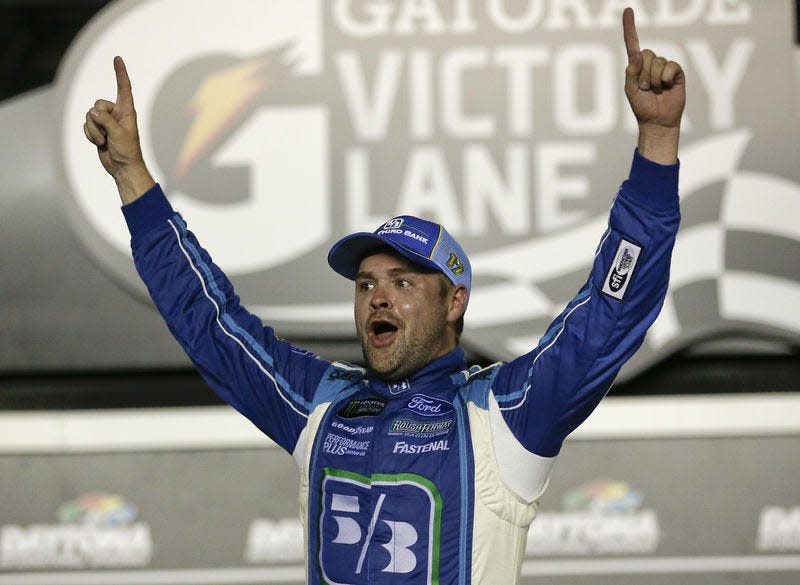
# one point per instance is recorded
(427, 378)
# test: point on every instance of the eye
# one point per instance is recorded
(364, 285)
(403, 283)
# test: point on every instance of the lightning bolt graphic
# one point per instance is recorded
(219, 101)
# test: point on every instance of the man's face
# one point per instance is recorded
(401, 315)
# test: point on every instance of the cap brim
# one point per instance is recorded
(345, 256)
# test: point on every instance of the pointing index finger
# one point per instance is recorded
(629, 32)
(124, 92)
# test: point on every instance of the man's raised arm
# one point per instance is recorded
(544, 395)
(265, 378)
(656, 91)
(112, 128)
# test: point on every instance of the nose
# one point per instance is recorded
(380, 298)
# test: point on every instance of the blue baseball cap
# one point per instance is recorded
(421, 241)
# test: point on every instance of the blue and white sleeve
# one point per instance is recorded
(267, 379)
(546, 394)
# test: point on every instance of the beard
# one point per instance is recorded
(408, 353)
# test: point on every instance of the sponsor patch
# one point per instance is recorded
(393, 224)
(420, 428)
(362, 407)
(454, 264)
(345, 375)
(411, 449)
(621, 271)
(338, 445)
(354, 430)
(428, 406)
(399, 387)
(402, 531)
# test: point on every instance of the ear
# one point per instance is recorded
(458, 303)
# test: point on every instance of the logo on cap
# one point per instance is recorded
(455, 265)
(393, 224)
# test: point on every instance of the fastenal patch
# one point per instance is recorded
(362, 407)
(411, 449)
(621, 271)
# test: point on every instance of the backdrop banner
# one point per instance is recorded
(276, 126)
(716, 511)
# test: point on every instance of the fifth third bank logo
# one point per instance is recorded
(391, 523)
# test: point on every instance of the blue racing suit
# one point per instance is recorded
(436, 478)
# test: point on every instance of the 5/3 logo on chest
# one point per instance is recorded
(386, 523)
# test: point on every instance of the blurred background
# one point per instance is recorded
(119, 465)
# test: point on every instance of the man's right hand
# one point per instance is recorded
(656, 91)
(112, 128)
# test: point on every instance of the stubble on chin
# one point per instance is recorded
(398, 360)
(409, 352)
(393, 362)
(382, 362)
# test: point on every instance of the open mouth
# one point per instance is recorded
(382, 332)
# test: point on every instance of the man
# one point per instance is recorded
(417, 469)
